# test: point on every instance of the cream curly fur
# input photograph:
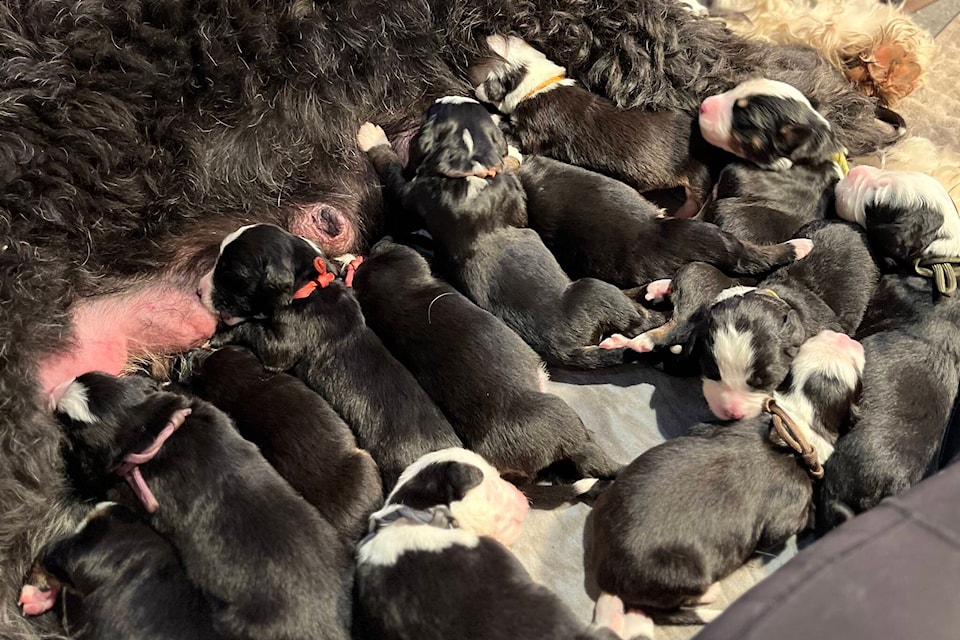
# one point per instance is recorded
(844, 31)
(920, 154)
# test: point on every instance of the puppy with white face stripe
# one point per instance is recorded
(436, 564)
(751, 335)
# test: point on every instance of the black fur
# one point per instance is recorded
(117, 578)
(324, 341)
(296, 431)
(486, 380)
(247, 540)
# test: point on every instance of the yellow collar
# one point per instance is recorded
(768, 292)
(545, 84)
(841, 160)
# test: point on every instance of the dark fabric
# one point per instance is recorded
(893, 572)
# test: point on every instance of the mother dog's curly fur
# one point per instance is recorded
(134, 133)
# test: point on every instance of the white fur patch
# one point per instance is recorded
(734, 355)
(385, 548)
(75, 404)
(474, 186)
(456, 100)
(468, 141)
(236, 234)
(733, 292)
(96, 512)
(538, 71)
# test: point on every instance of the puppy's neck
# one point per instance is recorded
(541, 77)
(808, 420)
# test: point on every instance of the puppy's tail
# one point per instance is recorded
(597, 358)
(551, 496)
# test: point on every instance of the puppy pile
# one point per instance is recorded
(354, 452)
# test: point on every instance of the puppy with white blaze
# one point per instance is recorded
(751, 334)
(267, 560)
(692, 510)
(911, 334)
(436, 566)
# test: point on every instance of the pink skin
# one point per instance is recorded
(510, 507)
(658, 290)
(715, 116)
(325, 225)
(801, 247)
(732, 404)
(641, 344)
(854, 187)
(844, 344)
(110, 330)
(33, 601)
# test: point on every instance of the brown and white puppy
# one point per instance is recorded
(436, 564)
(273, 568)
(690, 511)
(553, 116)
(295, 429)
(749, 339)
(115, 577)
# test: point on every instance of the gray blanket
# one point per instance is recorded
(629, 409)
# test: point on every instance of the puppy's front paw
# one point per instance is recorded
(370, 136)
(801, 247)
(658, 290)
(616, 341)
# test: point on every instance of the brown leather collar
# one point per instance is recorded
(793, 436)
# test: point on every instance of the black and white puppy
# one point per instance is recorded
(487, 381)
(296, 430)
(911, 335)
(759, 205)
(750, 337)
(436, 564)
(481, 247)
(298, 318)
(270, 566)
(553, 116)
(115, 577)
(770, 123)
(599, 227)
(689, 512)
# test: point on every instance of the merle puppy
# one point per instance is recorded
(476, 222)
(486, 380)
(749, 339)
(436, 564)
(115, 577)
(911, 334)
(246, 539)
(598, 227)
(278, 296)
(553, 116)
(689, 512)
(296, 431)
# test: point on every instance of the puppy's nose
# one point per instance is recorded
(735, 413)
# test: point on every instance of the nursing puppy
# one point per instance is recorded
(599, 227)
(911, 334)
(553, 116)
(690, 511)
(276, 293)
(266, 560)
(486, 380)
(475, 222)
(758, 205)
(296, 431)
(436, 564)
(115, 577)
(749, 339)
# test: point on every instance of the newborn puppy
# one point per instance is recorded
(481, 249)
(690, 511)
(750, 338)
(277, 293)
(598, 227)
(552, 116)
(265, 559)
(486, 380)
(769, 123)
(911, 334)
(436, 565)
(296, 431)
(759, 205)
(115, 577)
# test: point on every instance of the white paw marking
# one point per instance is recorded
(370, 136)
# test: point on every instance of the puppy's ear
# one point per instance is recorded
(808, 142)
(278, 278)
(793, 333)
(438, 483)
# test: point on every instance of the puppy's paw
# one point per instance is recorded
(801, 247)
(370, 136)
(642, 343)
(658, 290)
(637, 626)
(616, 341)
(608, 612)
(33, 601)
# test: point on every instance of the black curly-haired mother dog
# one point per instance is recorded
(135, 134)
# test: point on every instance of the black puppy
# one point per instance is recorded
(475, 222)
(552, 116)
(598, 227)
(911, 334)
(748, 340)
(115, 577)
(280, 297)
(486, 380)
(689, 512)
(270, 566)
(436, 564)
(759, 205)
(296, 430)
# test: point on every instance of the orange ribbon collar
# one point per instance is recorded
(543, 85)
(321, 281)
